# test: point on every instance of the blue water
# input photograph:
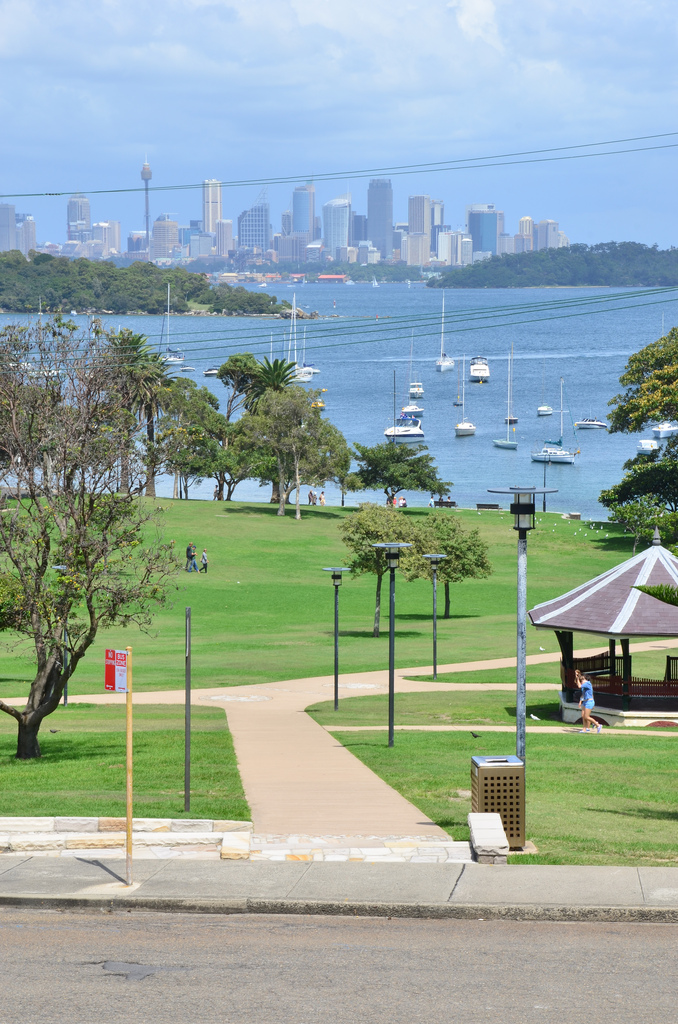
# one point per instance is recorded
(365, 334)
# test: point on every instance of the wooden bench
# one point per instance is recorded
(483, 506)
(445, 504)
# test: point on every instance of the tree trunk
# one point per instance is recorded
(447, 601)
(124, 473)
(186, 488)
(275, 492)
(150, 469)
(297, 510)
(281, 489)
(343, 495)
(27, 746)
(220, 485)
(175, 492)
(377, 608)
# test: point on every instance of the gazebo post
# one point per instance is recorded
(565, 640)
(613, 656)
(626, 672)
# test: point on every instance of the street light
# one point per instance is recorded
(336, 579)
(522, 509)
(392, 552)
(435, 561)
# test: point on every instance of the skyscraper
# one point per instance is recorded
(524, 240)
(303, 210)
(79, 218)
(286, 223)
(25, 232)
(7, 227)
(224, 237)
(254, 225)
(437, 221)
(380, 216)
(108, 233)
(358, 232)
(336, 223)
(484, 223)
(211, 204)
(419, 222)
(546, 232)
(165, 236)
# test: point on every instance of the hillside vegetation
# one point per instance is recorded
(617, 264)
(61, 284)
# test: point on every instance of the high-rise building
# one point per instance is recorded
(136, 242)
(25, 232)
(303, 210)
(200, 243)
(108, 233)
(526, 226)
(419, 222)
(336, 223)
(546, 234)
(165, 240)
(286, 223)
(7, 227)
(211, 204)
(563, 240)
(380, 215)
(358, 231)
(505, 244)
(224, 237)
(79, 226)
(418, 248)
(254, 225)
(437, 222)
(484, 223)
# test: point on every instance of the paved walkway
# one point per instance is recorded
(296, 776)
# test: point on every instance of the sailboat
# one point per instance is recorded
(553, 451)
(544, 409)
(302, 374)
(508, 443)
(172, 355)
(464, 428)
(375, 283)
(405, 428)
(445, 362)
(458, 401)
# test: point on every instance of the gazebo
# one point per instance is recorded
(609, 606)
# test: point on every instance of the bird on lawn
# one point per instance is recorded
(55, 730)
(542, 648)
(476, 735)
(535, 717)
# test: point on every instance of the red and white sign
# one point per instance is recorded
(115, 671)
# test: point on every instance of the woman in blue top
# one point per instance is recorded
(586, 702)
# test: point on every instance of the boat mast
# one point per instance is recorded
(561, 410)
(294, 325)
(168, 309)
(463, 391)
(508, 395)
(394, 406)
(442, 327)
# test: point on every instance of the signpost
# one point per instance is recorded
(118, 678)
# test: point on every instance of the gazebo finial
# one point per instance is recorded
(656, 537)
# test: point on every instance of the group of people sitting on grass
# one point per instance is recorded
(191, 564)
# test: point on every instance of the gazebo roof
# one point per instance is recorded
(609, 605)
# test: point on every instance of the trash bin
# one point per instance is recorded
(498, 786)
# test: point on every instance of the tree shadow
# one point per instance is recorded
(360, 634)
(307, 511)
(422, 616)
(646, 813)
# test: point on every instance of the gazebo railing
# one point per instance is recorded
(615, 685)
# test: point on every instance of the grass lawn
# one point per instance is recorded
(590, 799)
(461, 708)
(82, 769)
(264, 612)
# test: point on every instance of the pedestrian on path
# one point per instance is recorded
(192, 565)
(310, 497)
(204, 561)
(586, 703)
(322, 498)
(189, 555)
(216, 493)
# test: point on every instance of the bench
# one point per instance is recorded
(483, 506)
(445, 504)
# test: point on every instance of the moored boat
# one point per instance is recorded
(479, 370)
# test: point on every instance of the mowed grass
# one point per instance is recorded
(264, 611)
(82, 768)
(590, 799)
(442, 708)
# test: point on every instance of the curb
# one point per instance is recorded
(343, 908)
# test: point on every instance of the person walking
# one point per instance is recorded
(193, 565)
(189, 555)
(322, 498)
(586, 703)
(216, 493)
(310, 497)
(204, 562)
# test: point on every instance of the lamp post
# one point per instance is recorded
(392, 552)
(434, 561)
(522, 509)
(336, 579)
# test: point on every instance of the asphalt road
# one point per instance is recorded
(66, 968)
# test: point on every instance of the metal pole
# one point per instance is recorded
(336, 647)
(129, 794)
(391, 659)
(187, 716)
(435, 625)
(521, 645)
(544, 494)
(66, 667)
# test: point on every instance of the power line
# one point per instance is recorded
(430, 167)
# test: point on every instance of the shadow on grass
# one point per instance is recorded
(307, 512)
(360, 634)
(429, 617)
(645, 813)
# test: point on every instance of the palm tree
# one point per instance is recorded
(275, 376)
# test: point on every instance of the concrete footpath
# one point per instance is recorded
(455, 891)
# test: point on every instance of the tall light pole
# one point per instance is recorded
(522, 510)
(392, 552)
(336, 579)
(434, 561)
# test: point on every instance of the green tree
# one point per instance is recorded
(439, 532)
(275, 376)
(237, 375)
(397, 467)
(76, 554)
(651, 382)
(374, 524)
(647, 495)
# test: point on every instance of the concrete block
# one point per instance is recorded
(95, 841)
(27, 842)
(192, 825)
(76, 824)
(488, 839)
(235, 846)
(112, 824)
(151, 824)
(232, 826)
(26, 824)
(174, 839)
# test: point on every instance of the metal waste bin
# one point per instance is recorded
(498, 786)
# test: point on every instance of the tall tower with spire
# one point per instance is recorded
(146, 176)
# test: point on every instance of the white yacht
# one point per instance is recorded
(665, 429)
(172, 355)
(211, 372)
(590, 423)
(508, 442)
(464, 428)
(479, 370)
(416, 390)
(553, 451)
(445, 362)
(648, 444)
(406, 428)
(544, 410)
(187, 369)
(413, 410)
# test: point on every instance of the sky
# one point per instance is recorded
(239, 89)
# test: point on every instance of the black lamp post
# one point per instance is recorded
(435, 561)
(522, 509)
(392, 552)
(336, 579)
